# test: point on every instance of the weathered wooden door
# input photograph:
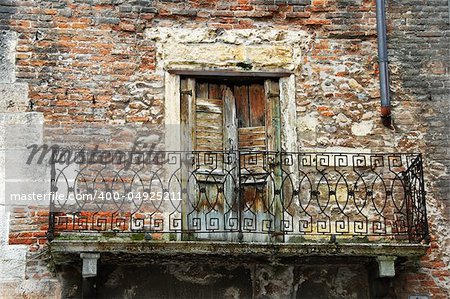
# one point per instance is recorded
(231, 126)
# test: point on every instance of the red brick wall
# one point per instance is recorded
(28, 225)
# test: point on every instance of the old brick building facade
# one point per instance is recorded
(114, 64)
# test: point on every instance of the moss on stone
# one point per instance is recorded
(137, 236)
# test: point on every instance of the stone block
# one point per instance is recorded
(18, 132)
(13, 97)
(89, 264)
(279, 56)
(8, 42)
(12, 258)
(211, 54)
(386, 266)
(12, 262)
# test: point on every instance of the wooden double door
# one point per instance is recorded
(232, 126)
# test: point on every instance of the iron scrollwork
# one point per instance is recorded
(241, 195)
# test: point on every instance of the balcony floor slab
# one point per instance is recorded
(65, 251)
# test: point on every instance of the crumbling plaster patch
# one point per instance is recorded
(362, 128)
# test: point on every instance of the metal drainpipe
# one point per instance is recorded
(383, 65)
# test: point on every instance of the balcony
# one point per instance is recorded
(237, 202)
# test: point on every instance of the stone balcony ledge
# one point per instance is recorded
(62, 250)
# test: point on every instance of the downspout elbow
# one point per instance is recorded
(386, 117)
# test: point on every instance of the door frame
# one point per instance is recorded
(286, 90)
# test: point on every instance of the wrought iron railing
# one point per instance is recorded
(239, 195)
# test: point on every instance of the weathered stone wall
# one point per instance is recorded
(105, 61)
